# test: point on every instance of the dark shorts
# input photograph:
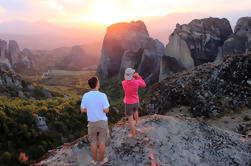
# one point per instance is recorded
(98, 130)
(130, 108)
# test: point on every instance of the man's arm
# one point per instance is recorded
(106, 104)
(83, 109)
(106, 110)
(83, 106)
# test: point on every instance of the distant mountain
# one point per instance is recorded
(80, 56)
(46, 36)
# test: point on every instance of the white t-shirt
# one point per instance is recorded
(95, 102)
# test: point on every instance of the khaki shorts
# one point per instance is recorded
(130, 108)
(98, 130)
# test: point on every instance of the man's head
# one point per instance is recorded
(94, 82)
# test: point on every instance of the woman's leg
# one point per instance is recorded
(131, 124)
(136, 117)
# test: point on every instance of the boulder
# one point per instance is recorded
(129, 45)
(21, 94)
(198, 42)
(239, 42)
(162, 140)
(46, 92)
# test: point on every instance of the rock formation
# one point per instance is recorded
(209, 89)
(4, 61)
(14, 58)
(13, 52)
(129, 45)
(198, 42)
(162, 140)
(239, 42)
(79, 57)
(24, 61)
(3, 49)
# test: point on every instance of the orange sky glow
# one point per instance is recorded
(106, 12)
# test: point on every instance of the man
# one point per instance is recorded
(97, 106)
(131, 99)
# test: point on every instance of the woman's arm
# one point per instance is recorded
(140, 81)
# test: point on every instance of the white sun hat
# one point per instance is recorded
(129, 73)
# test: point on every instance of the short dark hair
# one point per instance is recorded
(93, 81)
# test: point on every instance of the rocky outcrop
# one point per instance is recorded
(162, 140)
(11, 85)
(198, 42)
(129, 45)
(13, 52)
(3, 49)
(4, 61)
(14, 58)
(239, 42)
(209, 89)
(25, 61)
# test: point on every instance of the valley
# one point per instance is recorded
(197, 98)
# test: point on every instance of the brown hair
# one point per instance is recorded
(93, 81)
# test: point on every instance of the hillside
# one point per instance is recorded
(12, 85)
(208, 90)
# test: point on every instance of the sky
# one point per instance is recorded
(106, 12)
(48, 24)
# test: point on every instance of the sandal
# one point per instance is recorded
(130, 136)
(94, 162)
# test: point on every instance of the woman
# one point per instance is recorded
(131, 99)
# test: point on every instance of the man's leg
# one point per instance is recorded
(103, 136)
(94, 151)
(131, 124)
(101, 151)
(92, 136)
(136, 117)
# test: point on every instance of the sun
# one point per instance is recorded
(106, 14)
